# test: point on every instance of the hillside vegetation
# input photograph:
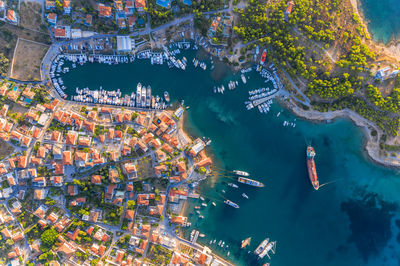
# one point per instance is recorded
(322, 45)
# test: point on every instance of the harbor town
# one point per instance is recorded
(98, 175)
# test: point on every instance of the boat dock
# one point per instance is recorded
(271, 95)
(193, 195)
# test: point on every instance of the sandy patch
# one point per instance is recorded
(27, 59)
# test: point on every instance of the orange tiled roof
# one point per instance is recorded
(96, 179)
(104, 11)
(140, 3)
(67, 158)
(59, 32)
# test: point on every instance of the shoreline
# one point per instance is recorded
(392, 48)
(370, 145)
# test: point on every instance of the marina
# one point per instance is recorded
(170, 55)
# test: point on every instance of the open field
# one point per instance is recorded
(9, 35)
(5, 149)
(144, 167)
(26, 63)
(31, 15)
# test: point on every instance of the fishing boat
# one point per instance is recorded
(213, 203)
(250, 182)
(201, 198)
(242, 173)
(270, 247)
(312, 172)
(245, 242)
(232, 204)
(204, 204)
(166, 96)
(261, 247)
(197, 207)
(245, 196)
(202, 235)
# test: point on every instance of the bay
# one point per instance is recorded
(383, 18)
(351, 221)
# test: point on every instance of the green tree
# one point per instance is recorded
(131, 204)
(48, 238)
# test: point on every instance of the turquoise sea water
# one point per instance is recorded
(353, 221)
(383, 18)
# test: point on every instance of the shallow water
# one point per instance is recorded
(348, 222)
(383, 18)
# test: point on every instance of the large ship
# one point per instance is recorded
(261, 247)
(232, 204)
(245, 242)
(250, 182)
(312, 172)
(242, 173)
(138, 94)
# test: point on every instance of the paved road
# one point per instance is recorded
(306, 101)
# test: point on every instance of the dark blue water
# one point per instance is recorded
(383, 18)
(349, 222)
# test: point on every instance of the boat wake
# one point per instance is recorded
(331, 182)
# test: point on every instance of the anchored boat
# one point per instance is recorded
(233, 185)
(250, 182)
(232, 204)
(270, 247)
(242, 173)
(245, 242)
(261, 247)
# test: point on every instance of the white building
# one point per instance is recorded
(124, 44)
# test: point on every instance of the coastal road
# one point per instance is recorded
(306, 101)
